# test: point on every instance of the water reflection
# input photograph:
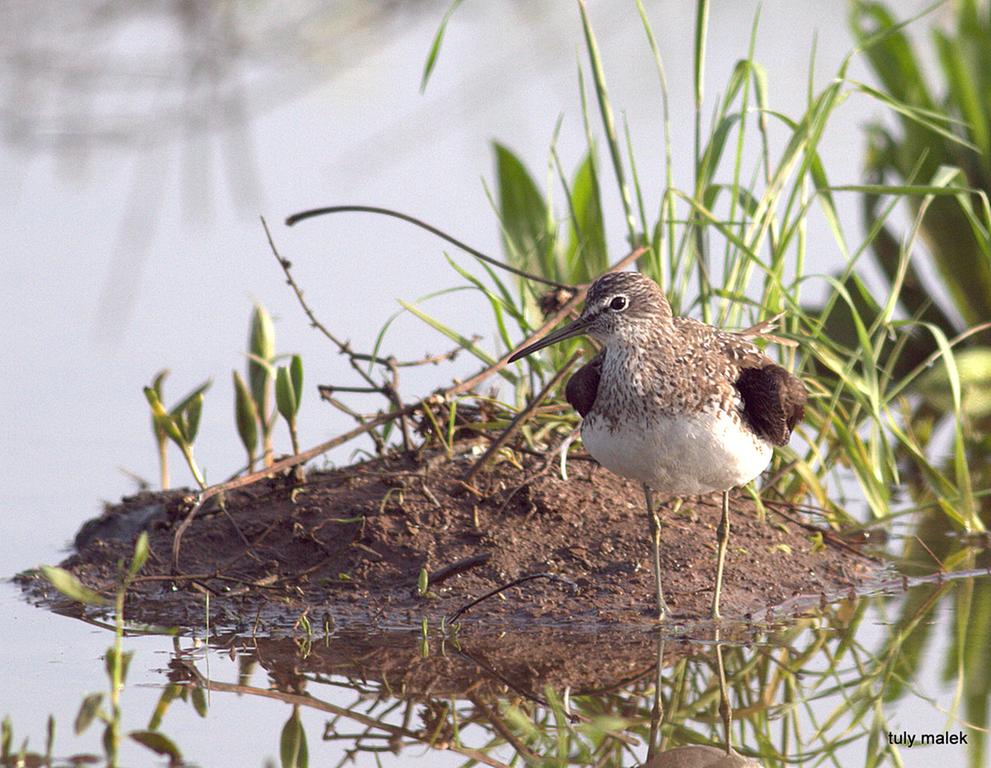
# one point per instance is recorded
(819, 689)
(792, 694)
(548, 696)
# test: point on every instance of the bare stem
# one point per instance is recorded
(297, 217)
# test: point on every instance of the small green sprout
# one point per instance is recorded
(181, 423)
(288, 396)
(161, 438)
(293, 752)
(261, 358)
(116, 659)
(246, 416)
(71, 587)
(424, 639)
(6, 739)
(817, 541)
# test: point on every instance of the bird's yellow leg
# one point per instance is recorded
(655, 535)
(722, 534)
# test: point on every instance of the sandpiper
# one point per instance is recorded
(681, 406)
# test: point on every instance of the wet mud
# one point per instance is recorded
(346, 549)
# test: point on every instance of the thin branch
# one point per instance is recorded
(342, 346)
(389, 390)
(327, 396)
(453, 618)
(297, 217)
(503, 730)
(425, 360)
(458, 567)
(520, 419)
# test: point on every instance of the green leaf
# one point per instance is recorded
(422, 582)
(191, 417)
(199, 701)
(110, 740)
(608, 120)
(713, 154)
(498, 304)
(157, 384)
(158, 381)
(523, 212)
(889, 52)
(190, 398)
(701, 32)
(462, 341)
(428, 65)
(87, 712)
(296, 373)
(162, 420)
(171, 692)
(71, 587)
(6, 737)
(140, 555)
(245, 414)
(964, 91)
(186, 413)
(285, 397)
(113, 658)
(292, 743)
(587, 251)
(157, 743)
(261, 344)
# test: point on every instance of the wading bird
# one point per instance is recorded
(678, 405)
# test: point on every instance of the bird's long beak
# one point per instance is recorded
(577, 328)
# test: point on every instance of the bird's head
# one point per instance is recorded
(620, 307)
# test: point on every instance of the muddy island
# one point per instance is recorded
(392, 541)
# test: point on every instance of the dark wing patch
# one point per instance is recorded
(773, 401)
(582, 388)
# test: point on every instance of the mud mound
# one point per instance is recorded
(347, 547)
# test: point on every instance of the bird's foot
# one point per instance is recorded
(662, 613)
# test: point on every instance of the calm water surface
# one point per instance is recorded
(839, 687)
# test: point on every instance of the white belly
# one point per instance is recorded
(679, 456)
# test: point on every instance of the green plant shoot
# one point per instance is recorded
(246, 417)
(261, 357)
(181, 423)
(289, 396)
(161, 437)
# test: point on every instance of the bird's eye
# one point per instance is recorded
(618, 304)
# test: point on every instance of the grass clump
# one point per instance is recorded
(732, 247)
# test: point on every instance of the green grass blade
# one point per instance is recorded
(524, 216)
(608, 121)
(431, 61)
